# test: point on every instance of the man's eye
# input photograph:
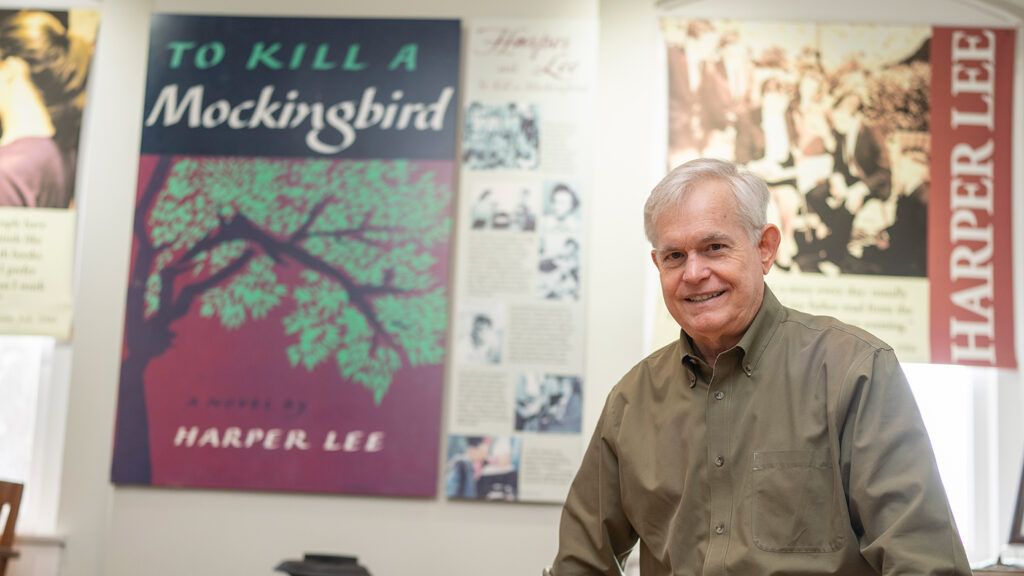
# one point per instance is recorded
(715, 247)
(673, 255)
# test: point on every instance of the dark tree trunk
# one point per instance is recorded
(131, 441)
(132, 463)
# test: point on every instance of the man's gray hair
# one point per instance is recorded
(750, 191)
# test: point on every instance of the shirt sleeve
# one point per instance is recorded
(897, 504)
(595, 537)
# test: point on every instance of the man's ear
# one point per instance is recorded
(768, 246)
(654, 258)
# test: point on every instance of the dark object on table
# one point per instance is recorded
(1017, 530)
(323, 565)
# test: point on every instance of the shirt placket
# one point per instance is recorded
(720, 490)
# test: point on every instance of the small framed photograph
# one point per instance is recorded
(1017, 531)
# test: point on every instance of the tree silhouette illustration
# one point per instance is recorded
(210, 234)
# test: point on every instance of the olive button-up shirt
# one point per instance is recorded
(801, 452)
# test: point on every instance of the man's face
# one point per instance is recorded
(712, 273)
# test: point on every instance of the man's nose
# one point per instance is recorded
(695, 270)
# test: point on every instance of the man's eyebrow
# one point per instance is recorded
(667, 248)
(710, 238)
(716, 238)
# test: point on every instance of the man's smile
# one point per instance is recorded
(698, 298)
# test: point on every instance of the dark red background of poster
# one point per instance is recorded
(209, 362)
(944, 138)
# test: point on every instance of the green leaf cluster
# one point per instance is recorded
(250, 295)
(415, 322)
(367, 234)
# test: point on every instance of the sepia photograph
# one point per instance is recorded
(44, 68)
(839, 132)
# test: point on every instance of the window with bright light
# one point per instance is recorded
(956, 405)
(31, 427)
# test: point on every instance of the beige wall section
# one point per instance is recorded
(628, 163)
(160, 532)
(110, 142)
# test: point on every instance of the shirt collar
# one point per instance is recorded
(760, 332)
(754, 340)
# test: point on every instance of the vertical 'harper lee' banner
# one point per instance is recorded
(970, 222)
(287, 303)
(886, 150)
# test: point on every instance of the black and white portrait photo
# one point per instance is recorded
(481, 336)
(561, 207)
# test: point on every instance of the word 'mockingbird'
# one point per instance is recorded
(332, 127)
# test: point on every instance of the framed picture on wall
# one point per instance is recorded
(1017, 530)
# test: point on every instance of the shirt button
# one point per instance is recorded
(719, 395)
(720, 529)
(748, 370)
(719, 461)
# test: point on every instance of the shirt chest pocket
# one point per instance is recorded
(795, 502)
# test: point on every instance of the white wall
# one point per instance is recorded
(156, 532)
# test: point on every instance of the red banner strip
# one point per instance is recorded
(970, 260)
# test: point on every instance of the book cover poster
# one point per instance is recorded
(887, 153)
(288, 297)
(45, 60)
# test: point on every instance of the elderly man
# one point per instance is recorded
(763, 441)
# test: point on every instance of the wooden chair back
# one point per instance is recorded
(10, 501)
